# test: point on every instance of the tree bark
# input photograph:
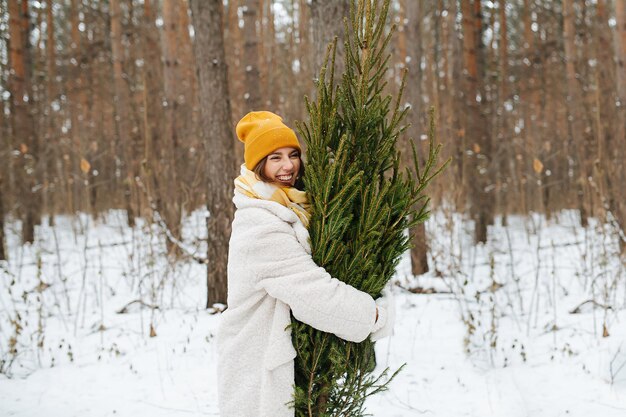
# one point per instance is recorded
(500, 118)
(272, 72)
(233, 37)
(174, 134)
(620, 53)
(3, 254)
(413, 56)
(476, 124)
(122, 108)
(23, 132)
(251, 59)
(306, 60)
(574, 104)
(620, 154)
(76, 100)
(530, 105)
(152, 94)
(327, 22)
(454, 128)
(152, 101)
(216, 130)
(51, 144)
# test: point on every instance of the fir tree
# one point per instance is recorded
(362, 204)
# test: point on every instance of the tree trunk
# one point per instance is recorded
(250, 61)
(75, 90)
(6, 188)
(453, 128)
(152, 99)
(173, 137)
(3, 254)
(500, 118)
(603, 96)
(122, 107)
(620, 50)
(293, 100)
(233, 37)
(51, 144)
(272, 71)
(620, 152)
(187, 67)
(327, 22)
(574, 104)
(412, 32)
(23, 133)
(306, 59)
(216, 130)
(476, 124)
(528, 92)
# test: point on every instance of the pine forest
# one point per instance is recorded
(470, 155)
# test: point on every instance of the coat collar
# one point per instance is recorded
(302, 234)
(242, 201)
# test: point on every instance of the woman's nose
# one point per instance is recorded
(288, 165)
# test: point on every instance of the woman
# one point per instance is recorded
(271, 272)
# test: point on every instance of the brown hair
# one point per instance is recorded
(259, 171)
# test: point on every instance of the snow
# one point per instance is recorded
(527, 355)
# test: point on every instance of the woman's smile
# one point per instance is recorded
(285, 178)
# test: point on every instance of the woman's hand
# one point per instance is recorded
(385, 316)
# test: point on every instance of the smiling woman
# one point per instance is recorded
(283, 167)
(272, 275)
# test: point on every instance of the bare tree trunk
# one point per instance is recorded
(453, 127)
(174, 135)
(187, 111)
(603, 95)
(233, 37)
(306, 59)
(23, 133)
(574, 103)
(293, 102)
(327, 22)
(122, 107)
(476, 125)
(528, 92)
(412, 50)
(69, 151)
(75, 101)
(3, 254)
(50, 141)
(250, 61)
(188, 77)
(216, 129)
(620, 53)
(620, 152)
(271, 72)
(7, 169)
(152, 101)
(400, 50)
(419, 250)
(500, 117)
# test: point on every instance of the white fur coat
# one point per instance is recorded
(270, 272)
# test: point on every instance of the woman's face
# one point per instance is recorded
(282, 166)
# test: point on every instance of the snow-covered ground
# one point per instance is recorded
(493, 330)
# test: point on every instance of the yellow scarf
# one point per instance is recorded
(292, 198)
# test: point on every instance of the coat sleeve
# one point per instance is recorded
(287, 272)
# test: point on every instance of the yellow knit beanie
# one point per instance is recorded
(262, 132)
